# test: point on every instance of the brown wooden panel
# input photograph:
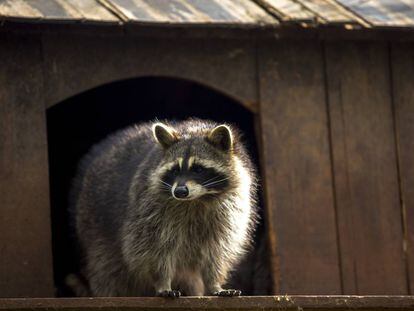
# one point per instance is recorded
(365, 169)
(376, 303)
(298, 181)
(403, 90)
(25, 241)
(75, 64)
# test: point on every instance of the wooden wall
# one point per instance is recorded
(25, 239)
(338, 129)
(337, 124)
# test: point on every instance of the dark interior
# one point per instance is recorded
(77, 123)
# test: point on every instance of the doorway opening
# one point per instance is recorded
(79, 122)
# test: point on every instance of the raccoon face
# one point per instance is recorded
(195, 166)
(192, 178)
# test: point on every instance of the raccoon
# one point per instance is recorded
(164, 208)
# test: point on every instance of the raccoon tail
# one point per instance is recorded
(77, 285)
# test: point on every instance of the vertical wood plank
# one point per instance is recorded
(298, 180)
(365, 168)
(402, 61)
(25, 243)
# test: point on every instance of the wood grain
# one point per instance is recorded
(365, 168)
(25, 243)
(297, 175)
(216, 303)
(403, 80)
(225, 65)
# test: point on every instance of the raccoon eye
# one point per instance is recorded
(198, 169)
(175, 170)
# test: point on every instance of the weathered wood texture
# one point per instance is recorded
(25, 243)
(288, 10)
(328, 11)
(328, 143)
(57, 10)
(225, 65)
(190, 11)
(365, 169)
(216, 303)
(380, 13)
(236, 13)
(297, 171)
(403, 81)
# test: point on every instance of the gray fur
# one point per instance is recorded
(137, 242)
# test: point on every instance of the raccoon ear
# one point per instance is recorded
(221, 137)
(165, 135)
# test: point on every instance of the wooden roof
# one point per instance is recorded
(236, 13)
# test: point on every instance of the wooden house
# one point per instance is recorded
(326, 88)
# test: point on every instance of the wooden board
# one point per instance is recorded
(190, 11)
(92, 11)
(224, 65)
(215, 303)
(365, 169)
(235, 13)
(25, 243)
(288, 10)
(403, 81)
(297, 179)
(328, 11)
(380, 13)
(18, 9)
(57, 10)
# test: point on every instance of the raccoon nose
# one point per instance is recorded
(181, 192)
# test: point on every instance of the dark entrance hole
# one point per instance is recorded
(77, 123)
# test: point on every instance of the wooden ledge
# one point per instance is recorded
(203, 303)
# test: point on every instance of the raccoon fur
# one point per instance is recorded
(164, 209)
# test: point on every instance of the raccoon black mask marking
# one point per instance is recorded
(164, 208)
(189, 174)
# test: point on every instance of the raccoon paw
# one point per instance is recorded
(228, 293)
(169, 293)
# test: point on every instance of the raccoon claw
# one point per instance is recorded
(228, 293)
(169, 294)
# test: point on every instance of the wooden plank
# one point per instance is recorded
(365, 168)
(225, 65)
(244, 11)
(396, 13)
(191, 11)
(380, 13)
(288, 10)
(63, 10)
(328, 11)
(25, 243)
(403, 80)
(91, 10)
(18, 8)
(55, 9)
(298, 181)
(215, 303)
